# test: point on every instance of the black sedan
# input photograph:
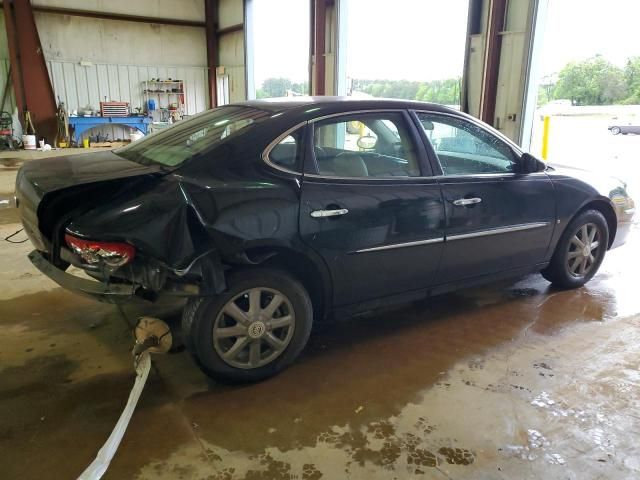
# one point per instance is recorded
(270, 215)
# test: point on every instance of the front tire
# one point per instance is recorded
(580, 251)
(254, 329)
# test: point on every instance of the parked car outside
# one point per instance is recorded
(625, 129)
(270, 215)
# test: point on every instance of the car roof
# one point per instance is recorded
(292, 110)
(303, 104)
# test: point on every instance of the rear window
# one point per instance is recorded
(178, 143)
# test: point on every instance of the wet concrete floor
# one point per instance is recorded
(514, 380)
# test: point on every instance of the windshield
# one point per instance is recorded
(178, 143)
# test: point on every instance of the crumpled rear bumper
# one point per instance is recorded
(103, 292)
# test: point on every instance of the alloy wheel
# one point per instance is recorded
(254, 328)
(583, 250)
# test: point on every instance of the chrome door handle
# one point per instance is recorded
(329, 213)
(463, 202)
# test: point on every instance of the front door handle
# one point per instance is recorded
(463, 202)
(329, 213)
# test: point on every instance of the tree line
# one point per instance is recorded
(438, 91)
(594, 81)
(279, 87)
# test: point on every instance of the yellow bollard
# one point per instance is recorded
(545, 137)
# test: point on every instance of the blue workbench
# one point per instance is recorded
(82, 124)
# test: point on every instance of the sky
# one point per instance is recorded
(281, 39)
(399, 39)
(406, 39)
(579, 29)
(425, 39)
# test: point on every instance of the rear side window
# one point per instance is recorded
(188, 138)
(364, 146)
(287, 153)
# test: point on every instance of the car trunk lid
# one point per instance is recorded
(40, 181)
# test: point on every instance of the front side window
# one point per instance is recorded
(464, 148)
(365, 145)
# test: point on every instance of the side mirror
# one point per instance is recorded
(530, 164)
(367, 142)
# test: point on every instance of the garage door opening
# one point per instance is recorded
(406, 49)
(280, 48)
(588, 113)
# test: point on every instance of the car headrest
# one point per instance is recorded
(350, 165)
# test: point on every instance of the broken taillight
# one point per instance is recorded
(111, 253)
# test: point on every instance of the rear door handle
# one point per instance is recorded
(329, 213)
(463, 202)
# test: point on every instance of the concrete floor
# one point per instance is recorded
(509, 381)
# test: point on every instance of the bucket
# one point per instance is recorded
(29, 142)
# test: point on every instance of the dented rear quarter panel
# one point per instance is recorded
(227, 201)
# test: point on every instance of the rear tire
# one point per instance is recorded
(580, 251)
(615, 130)
(251, 331)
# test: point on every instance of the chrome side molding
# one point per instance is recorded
(496, 231)
(481, 233)
(402, 245)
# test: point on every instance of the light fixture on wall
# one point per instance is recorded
(86, 63)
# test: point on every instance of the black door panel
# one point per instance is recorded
(390, 241)
(497, 219)
(378, 225)
(509, 225)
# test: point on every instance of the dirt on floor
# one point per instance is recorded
(513, 380)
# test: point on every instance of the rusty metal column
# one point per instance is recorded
(30, 76)
(12, 41)
(211, 27)
(497, 10)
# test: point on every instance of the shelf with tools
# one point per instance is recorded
(164, 100)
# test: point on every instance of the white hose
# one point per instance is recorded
(105, 455)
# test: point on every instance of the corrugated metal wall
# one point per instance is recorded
(78, 86)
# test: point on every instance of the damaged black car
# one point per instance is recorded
(270, 215)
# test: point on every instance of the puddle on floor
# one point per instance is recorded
(486, 383)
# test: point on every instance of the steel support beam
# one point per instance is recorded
(131, 18)
(497, 11)
(30, 76)
(211, 28)
(116, 16)
(14, 56)
(230, 29)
